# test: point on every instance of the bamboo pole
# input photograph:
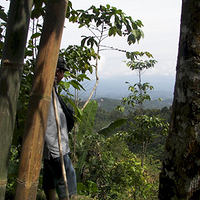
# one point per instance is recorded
(10, 77)
(60, 145)
(36, 119)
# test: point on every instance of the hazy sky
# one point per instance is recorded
(161, 19)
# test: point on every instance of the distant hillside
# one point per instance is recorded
(110, 104)
(110, 91)
(116, 88)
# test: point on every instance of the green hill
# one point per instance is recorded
(110, 104)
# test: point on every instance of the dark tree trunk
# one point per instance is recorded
(180, 176)
(10, 78)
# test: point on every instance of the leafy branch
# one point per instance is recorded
(104, 22)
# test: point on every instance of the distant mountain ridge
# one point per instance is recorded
(110, 91)
(110, 104)
(117, 88)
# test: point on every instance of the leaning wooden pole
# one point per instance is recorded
(10, 78)
(36, 119)
(59, 143)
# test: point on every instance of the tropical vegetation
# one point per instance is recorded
(116, 155)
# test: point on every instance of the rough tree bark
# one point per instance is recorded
(180, 176)
(40, 97)
(10, 78)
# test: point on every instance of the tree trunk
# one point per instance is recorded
(40, 97)
(10, 77)
(180, 176)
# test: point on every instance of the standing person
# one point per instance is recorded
(53, 180)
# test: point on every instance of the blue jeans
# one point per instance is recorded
(53, 177)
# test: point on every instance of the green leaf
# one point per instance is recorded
(79, 165)
(83, 41)
(111, 31)
(82, 77)
(76, 84)
(78, 111)
(28, 53)
(35, 35)
(131, 39)
(149, 55)
(89, 113)
(3, 15)
(66, 85)
(111, 126)
(120, 108)
(139, 23)
(108, 6)
(119, 32)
